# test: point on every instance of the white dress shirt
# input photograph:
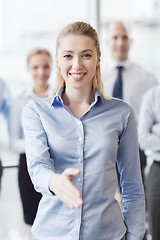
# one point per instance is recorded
(136, 82)
(17, 143)
(149, 119)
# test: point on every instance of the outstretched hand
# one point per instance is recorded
(62, 186)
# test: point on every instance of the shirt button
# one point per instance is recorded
(80, 139)
(79, 160)
(77, 221)
(79, 123)
(79, 180)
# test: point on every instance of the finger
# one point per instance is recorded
(71, 189)
(76, 202)
(72, 195)
(71, 171)
(71, 202)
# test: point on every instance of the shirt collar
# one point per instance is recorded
(97, 97)
(126, 63)
(57, 99)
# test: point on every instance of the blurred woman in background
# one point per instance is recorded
(39, 63)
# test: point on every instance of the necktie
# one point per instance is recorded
(118, 93)
(118, 88)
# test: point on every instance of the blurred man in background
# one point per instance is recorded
(123, 78)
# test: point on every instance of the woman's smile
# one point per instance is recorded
(77, 76)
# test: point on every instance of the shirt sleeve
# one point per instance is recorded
(156, 129)
(147, 139)
(17, 143)
(5, 99)
(40, 165)
(131, 181)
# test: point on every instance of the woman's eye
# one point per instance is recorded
(87, 55)
(67, 56)
(46, 67)
(35, 67)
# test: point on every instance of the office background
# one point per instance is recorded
(25, 24)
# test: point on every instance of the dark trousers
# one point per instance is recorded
(29, 197)
(1, 172)
(153, 197)
(143, 163)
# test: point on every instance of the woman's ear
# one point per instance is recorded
(98, 62)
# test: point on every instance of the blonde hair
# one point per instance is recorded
(85, 29)
(36, 51)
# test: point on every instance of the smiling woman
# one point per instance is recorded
(73, 141)
(88, 51)
(77, 64)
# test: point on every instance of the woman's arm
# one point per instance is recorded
(41, 165)
(131, 181)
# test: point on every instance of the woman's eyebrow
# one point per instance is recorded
(67, 51)
(87, 50)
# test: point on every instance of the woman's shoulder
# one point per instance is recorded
(39, 103)
(117, 104)
(119, 111)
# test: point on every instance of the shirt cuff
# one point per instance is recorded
(43, 183)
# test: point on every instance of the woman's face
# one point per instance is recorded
(39, 67)
(77, 60)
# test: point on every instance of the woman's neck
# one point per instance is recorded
(40, 91)
(77, 96)
(78, 101)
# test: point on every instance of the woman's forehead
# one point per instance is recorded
(73, 41)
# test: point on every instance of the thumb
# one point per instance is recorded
(71, 171)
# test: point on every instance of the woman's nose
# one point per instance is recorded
(41, 70)
(77, 63)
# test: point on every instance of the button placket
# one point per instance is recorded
(80, 139)
(79, 180)
(79, 177)
(79, 159)
(77, 221)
